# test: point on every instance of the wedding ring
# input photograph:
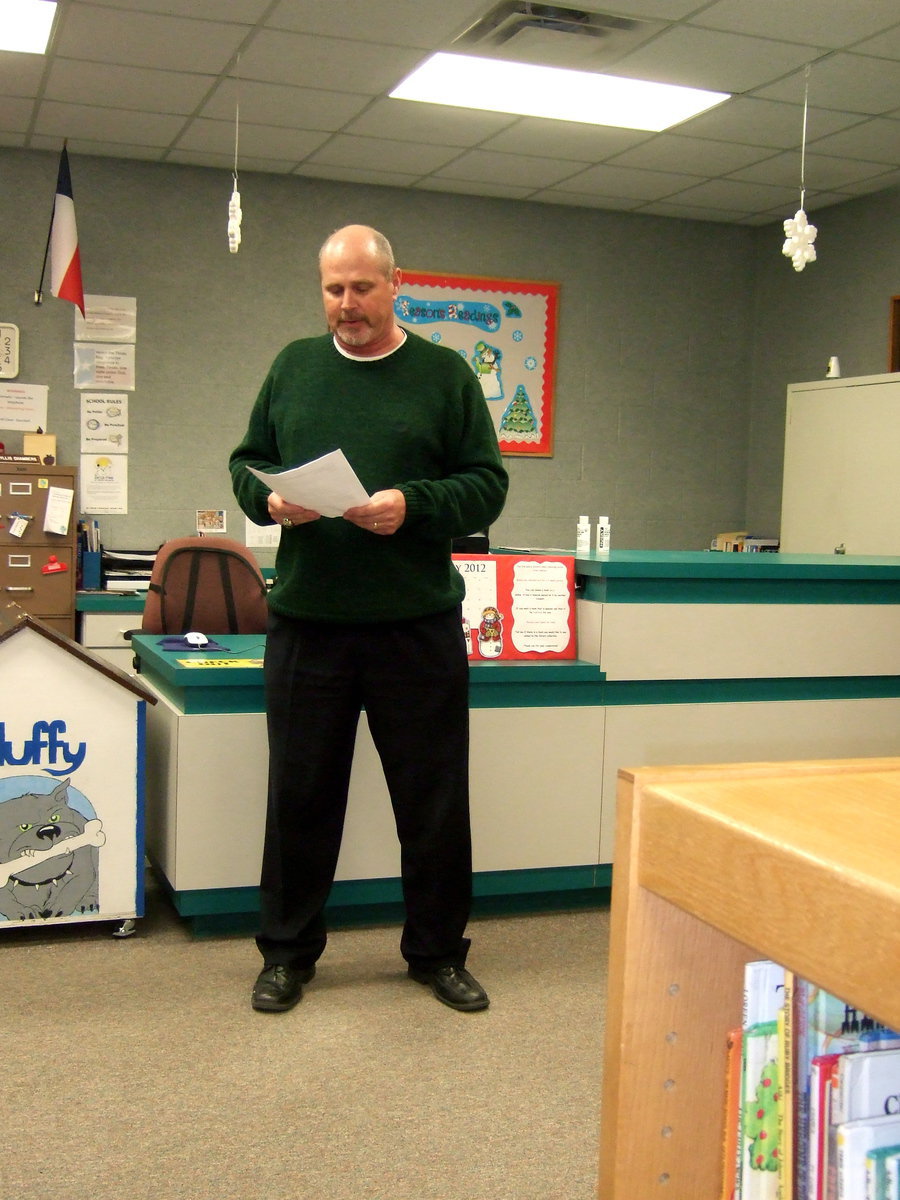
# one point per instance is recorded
(287, 522)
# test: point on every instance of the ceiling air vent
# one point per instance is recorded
(554, 36)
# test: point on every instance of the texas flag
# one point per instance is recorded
(65, 261)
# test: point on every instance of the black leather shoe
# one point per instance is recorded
(279, 988)
(453, 986)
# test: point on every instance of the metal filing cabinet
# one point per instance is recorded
(37, 569)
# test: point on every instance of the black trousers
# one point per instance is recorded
(412, 679)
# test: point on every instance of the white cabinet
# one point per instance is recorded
(841, 482)
(106, 634)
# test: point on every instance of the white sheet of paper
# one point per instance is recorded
(58, 510)
(328, 485)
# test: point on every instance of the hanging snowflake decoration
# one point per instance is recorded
(799, 234)
(798, 245)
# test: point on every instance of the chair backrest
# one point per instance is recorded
(208, 584)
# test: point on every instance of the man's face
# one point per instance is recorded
(358, 297)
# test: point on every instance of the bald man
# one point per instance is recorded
(366, 613)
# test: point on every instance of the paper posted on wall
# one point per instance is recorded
(327, 485)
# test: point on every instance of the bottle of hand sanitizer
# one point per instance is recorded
(583, 536)
(603, 532)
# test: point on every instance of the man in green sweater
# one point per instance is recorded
(365, 613)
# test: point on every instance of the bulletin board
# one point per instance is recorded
(518, 607)
(506, 330)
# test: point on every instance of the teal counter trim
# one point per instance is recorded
(738, 591)
(527, 684)
(737, 691)
(110, 602)
(708, 577)
(364, 901)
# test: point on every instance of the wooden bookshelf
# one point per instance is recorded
(714, 866)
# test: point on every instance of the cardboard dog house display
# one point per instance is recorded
(72, 753)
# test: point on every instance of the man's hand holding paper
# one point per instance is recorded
(327, 487)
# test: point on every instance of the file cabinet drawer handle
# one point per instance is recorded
(18, 589)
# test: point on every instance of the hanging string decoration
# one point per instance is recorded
(799, 234)
(234, 204)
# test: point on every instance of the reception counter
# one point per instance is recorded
(536, 754)
(685, 657)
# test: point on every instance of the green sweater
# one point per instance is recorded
(416, 420)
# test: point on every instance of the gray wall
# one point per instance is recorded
(840, 304)
(676, 339)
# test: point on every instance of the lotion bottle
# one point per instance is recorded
(603, 533)
(583, 536)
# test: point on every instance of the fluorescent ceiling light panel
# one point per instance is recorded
(498, 85)
(26, 25)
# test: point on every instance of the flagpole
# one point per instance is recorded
(39, 290)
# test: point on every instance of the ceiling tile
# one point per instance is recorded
(516, 169)
(79, 145)
(420, 23)
(365, 68)
(225, 162)
(409, 120)
(695, 156)
(21, 74)
(357, 175)
(884, 45)
(467, 187)
(821, 170)
(765, 122)
(669, 208)
(585, 200)
(851, 82)
(15, 115)
(564, 139)
(110, 125)
(259, 141)
(381, 154)
(808, 21)
(81, 82)
(146, 39)
(706, 59)
(279, 104)
(877, 139)
(627, 182)
(741, 197)
(245, 12)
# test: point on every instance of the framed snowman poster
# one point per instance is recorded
(505, 329)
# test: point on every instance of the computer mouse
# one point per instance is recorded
(196, 639)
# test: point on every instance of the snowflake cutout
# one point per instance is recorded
(518, 335)
(435, 337)
(798, 245)
(530, 363)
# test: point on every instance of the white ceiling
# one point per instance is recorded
(159, 80)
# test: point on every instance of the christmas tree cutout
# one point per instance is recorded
(519, 415)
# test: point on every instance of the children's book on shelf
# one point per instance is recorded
(892, 1171)
(863, 1085)
(787, 1076)
(854, 1141)
(759, 1132)
(824, 1024)
(730, 1144)
(819, 1106)
(877, 1164)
